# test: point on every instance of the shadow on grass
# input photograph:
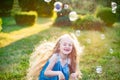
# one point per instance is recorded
(9, 24)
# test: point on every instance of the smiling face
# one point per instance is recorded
(66, 45)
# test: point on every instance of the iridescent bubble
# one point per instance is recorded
(47, 1)
(114, 6)
(99, 69)
(102, 36)
(58, 6)
(66, 6)
(73, 16)
(111, 50)
(89, 41)
(77, 32)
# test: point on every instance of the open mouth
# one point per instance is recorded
(67, 50)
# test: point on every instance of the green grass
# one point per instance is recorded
(15, 53)
(15, 57)
(97, 53)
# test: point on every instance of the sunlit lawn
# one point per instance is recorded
(100, 51)
(12, 32)
(18, 42)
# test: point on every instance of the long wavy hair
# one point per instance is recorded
(71, 56)
(38, 59)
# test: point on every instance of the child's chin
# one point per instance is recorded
(66, 52)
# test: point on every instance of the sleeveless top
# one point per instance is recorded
(57, 67)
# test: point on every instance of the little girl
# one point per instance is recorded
(63, 61)
(62, 64)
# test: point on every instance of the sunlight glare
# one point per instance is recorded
(45, 47)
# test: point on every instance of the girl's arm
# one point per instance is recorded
(77, 75)
(49, 72)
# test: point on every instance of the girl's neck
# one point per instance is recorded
(63, 56)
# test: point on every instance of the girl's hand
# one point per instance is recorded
(61, 76)
(74, 76)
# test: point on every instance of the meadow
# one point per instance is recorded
(17, 43)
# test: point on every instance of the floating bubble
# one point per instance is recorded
(73, 16)
(99, 69)
(102, 36)
(89, 41)
(111, 50)
(58, 6)
(66, 6)
(47, 1)
(77, 32)
(114, 7)
(113, 11)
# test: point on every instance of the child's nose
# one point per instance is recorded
(67, 46)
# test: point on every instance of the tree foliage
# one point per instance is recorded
(5, 7)
(43, 8)
(106, 15)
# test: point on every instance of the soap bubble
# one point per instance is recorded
(73, 16)
(111, 50)
(77, 32)
(102, 36)
(58, 6)
(99, 69)
(114, 6)
(66, 6)
(89, 41)
(47, 1)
